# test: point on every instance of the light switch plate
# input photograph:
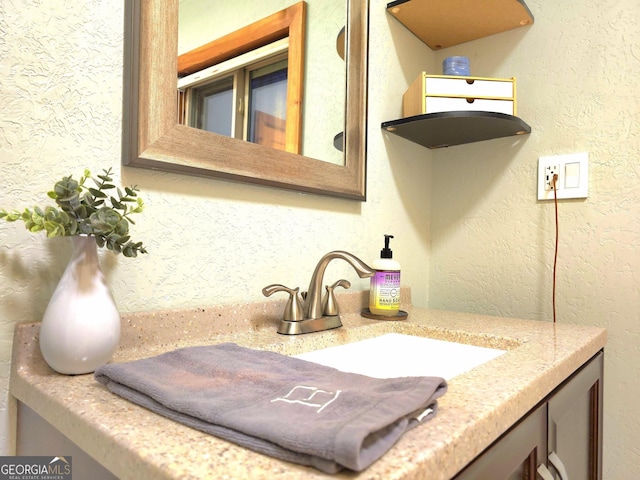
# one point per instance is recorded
(573, 176)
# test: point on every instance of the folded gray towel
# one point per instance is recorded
(281, 406)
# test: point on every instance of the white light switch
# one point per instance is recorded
(572, 175)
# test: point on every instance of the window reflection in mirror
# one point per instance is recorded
(211, 107)
(313, 116)
(244, 97)
(266, 115)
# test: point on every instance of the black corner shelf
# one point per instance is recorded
(446, 129)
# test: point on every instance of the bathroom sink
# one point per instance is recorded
(394, 349)
(400, 355)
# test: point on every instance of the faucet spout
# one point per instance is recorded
(313, 301)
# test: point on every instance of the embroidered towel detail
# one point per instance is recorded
(281, 406)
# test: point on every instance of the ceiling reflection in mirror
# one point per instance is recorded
(323, 88)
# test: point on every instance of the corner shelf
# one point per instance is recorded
(445, 23)
(445, 129)
(440, 24)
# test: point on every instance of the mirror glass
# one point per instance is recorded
(324, 70)
(334, 99)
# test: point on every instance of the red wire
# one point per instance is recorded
(555, 258)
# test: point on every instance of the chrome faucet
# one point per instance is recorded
(309, 311)
(313, 301)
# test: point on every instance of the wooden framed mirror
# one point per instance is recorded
(153, 138)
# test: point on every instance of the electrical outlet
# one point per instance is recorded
(573, 176)
(549, 172)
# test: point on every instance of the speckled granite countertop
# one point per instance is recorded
(134, 443)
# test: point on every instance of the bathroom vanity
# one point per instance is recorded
(502, 419)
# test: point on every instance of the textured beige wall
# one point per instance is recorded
(209, 241)
(469, 217)
(492, 241)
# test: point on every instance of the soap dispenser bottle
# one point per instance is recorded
(384, 296)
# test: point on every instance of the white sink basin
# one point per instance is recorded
(400, 355)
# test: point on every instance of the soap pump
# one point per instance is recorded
(384, 296)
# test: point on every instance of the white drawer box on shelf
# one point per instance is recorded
(441, 93)
(467, 86)
(449, 104)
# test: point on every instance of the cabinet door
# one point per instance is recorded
(575, 423)
(516, 455)
(37, 437)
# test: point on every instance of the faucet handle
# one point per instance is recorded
(293, 310)
(330, 305)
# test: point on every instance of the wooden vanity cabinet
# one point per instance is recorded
(516, 455)
(563, 433)
(575, 422)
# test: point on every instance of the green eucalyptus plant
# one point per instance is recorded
(87, 210)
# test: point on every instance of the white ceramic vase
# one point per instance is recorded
(81, 326)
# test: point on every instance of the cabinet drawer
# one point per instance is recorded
(447, 104)
(469, 86)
